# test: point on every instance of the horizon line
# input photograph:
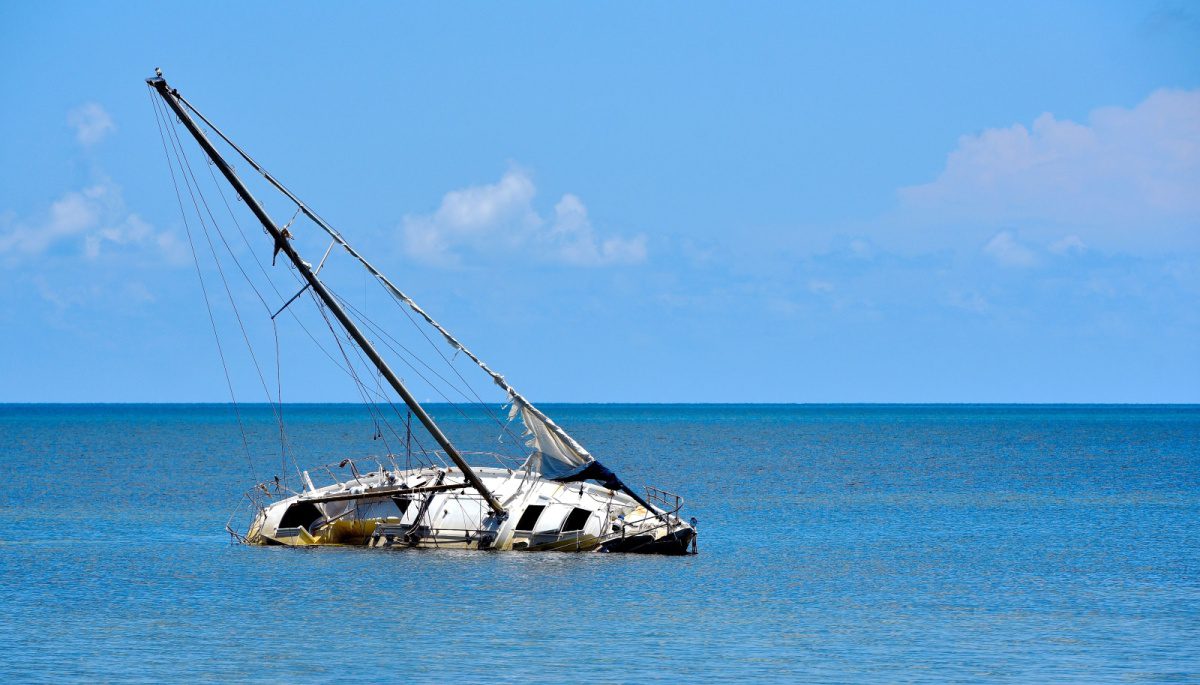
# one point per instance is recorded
(629, 403)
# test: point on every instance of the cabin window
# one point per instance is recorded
(300, 515)
(577, 519)
(530, 517)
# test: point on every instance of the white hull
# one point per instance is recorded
(433, 508)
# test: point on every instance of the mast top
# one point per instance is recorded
(172, 98)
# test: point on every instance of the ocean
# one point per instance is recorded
(837, 544)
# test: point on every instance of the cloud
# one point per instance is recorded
(500, 218)
(572, 239)
(970, 301)
(89, 218)
(1071, 244)
(1004, 248)
(71, 214)
(1125, 177)
(90, 221)
(91, 123)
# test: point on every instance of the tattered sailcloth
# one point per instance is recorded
(555, 453)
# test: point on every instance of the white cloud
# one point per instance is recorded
(500, 218)
(132, 230)
(861, 248)
(88, 218)
(1071, 244)
(571, 238)
(1004, 248)
(72, 214)
(1125, 177)
(970, 301)
(91, 123)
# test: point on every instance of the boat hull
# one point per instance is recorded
(432, 508)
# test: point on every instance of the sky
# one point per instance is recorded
(620, 202)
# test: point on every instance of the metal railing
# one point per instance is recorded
(669, 502)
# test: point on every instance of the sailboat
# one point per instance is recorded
(559, 498)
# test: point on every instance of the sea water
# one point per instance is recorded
(837, 543)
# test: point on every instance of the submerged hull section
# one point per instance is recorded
(435, 508)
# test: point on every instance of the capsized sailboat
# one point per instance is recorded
(558, 498)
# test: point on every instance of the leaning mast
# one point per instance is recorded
(171, 97)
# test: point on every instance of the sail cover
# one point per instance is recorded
(555, 454)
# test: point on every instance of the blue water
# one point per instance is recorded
(837, 543)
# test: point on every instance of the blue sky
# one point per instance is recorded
(688, 202)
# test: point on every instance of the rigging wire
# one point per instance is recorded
(487, 408)
(274, 323)
(188, 183)
(375, 328)
(349, 369)
(324, 225)
(381, 393)
(194, 189)
(203, 288)
(258, 262)
(365, 390)
(279, 395)
(362, 317)
(513, 395)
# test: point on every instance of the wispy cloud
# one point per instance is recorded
(1125, 177)
(90, 220)
(91, 123)
(70, 215)
(970, 301)
(1070, 244)
(1004, 248)
(500, 218)
(86, 220)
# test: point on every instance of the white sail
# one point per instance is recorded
(555, 453)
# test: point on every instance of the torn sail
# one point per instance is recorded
(555, 453)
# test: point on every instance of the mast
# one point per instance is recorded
(171, 97)
(496, 377)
